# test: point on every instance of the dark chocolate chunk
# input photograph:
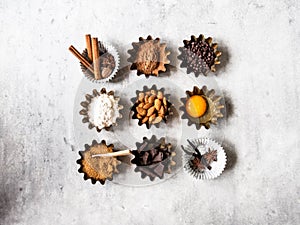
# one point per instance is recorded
(158, 158)
(153, 159)
(159, 170)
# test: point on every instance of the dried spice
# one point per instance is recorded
(204, 158)
(98, 168)
(148, 56)
(201, 162)
(99, 62)
(199, 55)
(153, 158)
(210, 155)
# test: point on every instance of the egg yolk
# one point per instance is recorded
(196, 106)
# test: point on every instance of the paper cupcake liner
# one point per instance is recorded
(85, 104)
(217, 167)
(110, 49)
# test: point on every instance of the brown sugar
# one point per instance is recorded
(98, 168)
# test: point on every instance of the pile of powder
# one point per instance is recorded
(103, 111)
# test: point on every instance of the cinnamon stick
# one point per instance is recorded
(88, 41)
(81, 58)
(113, 154)
(96, 58)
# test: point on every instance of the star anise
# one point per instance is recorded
(210, 156)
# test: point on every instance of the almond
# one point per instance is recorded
(147, 105)
(139, 116)
(141, 96)
(145, 119)
(151, 98)
(157, 120)
(157, 104)
(160, 95)
(153, 92)
(150, 111)
(141, 111)
(161, 112)
(141, 105)
(165, 101)
(146, 98)
(152, 117)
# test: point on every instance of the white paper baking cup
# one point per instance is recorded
(217, 167)
(110, 49)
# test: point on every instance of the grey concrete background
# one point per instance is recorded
(39, 183)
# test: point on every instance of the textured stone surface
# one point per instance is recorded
(39, 183)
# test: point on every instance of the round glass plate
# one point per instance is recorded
(128, 133)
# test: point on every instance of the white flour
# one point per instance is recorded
(103, 110)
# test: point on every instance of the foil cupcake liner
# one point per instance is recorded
(217, 167)
(212, 113)
(134, 100)
(103, 47)
(85, 105)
